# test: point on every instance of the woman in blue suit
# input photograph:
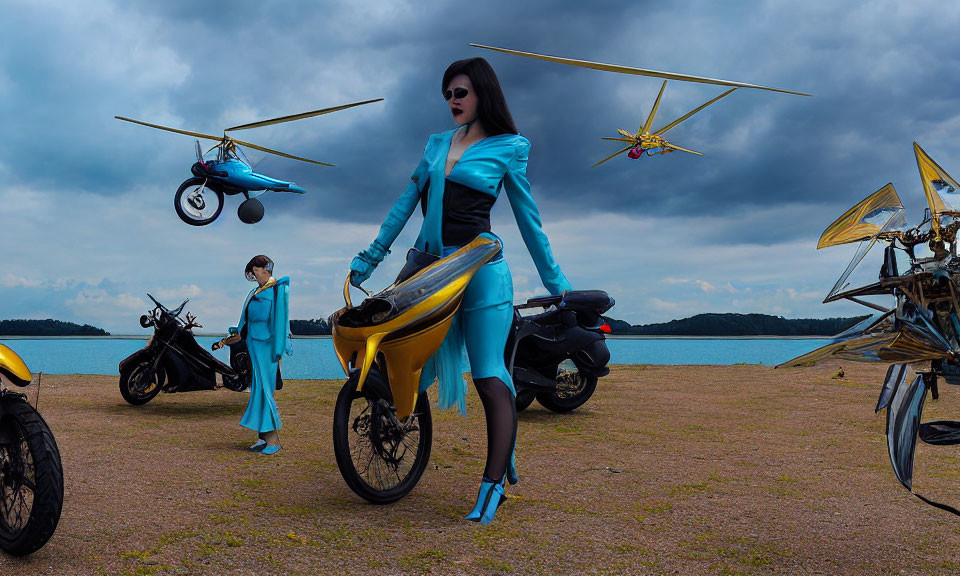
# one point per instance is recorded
(456, 183)
(264, 324)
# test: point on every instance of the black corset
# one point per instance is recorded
(466, 212)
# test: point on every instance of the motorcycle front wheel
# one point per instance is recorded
(197, 203)
(140, 383)
(380, 457)
(31, 478)
(573, 389)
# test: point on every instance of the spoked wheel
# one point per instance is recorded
(380, 457)
(573, 389)
(140, 383)
(31, 478)
(197, 203)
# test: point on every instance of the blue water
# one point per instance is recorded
(314, 357)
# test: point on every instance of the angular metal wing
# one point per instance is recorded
(653, 111)
(168, 129)
(865, 220)
(882, 339)
(942, 191)
(300, 116)
(691, 113)
(896, 374)
(873, 216)
(278, 153)
(903, 426)
(635, 71)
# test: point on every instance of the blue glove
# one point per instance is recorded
(366, 262)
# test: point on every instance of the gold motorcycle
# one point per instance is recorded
(382, 427)
(31, 475)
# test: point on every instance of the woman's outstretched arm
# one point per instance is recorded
(517, 187)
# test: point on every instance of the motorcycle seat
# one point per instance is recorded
(588, 300)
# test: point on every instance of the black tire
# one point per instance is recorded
(250, 211)
(240, 362)
(30, 458)
(134, 389)
(357, 426)
(525, 399)
(192, 202)
(574, 387)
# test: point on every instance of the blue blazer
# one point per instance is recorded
(279, 323)
(489, 165)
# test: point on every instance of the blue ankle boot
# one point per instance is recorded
(488, 499)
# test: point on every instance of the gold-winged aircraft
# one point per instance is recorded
(644, 141)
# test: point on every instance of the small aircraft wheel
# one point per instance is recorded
(250, 211)
(197, 202)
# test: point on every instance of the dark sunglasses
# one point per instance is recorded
(457, 93)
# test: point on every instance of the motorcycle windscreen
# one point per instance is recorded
(866, 219)
(942, 191)
(882, 339)
(395, 300)
(903, 425)
(896, 374)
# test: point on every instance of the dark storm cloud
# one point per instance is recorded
(883, 74)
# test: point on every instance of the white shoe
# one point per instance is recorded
(258, 445)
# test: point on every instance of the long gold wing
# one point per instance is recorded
(675, 147)
(612, 156)
(626, 134)
(653, 111)
(277, 152)
(168, 129)
(300, 116)
(853, 225)
(691, 113)
(620, 139)
(935, 179)
(635, 71)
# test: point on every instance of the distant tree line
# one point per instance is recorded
(316, 327)
(48, 328)
(699, 325)
(737, 325)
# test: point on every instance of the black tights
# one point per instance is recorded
(500, 410)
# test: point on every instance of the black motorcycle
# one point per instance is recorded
(557, 356)
(31, 476)
(173, 361)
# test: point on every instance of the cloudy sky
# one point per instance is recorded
(88, 223)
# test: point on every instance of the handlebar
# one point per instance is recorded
(346, 290)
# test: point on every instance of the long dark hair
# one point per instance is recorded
(492, 110)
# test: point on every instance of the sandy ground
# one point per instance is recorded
(680, 470)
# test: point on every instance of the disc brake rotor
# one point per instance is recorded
(569, 380)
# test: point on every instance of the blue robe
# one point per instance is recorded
(480, 329)
(267, 321)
